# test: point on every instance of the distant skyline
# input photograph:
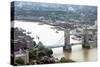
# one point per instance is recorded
(78, 2)
(76, 13)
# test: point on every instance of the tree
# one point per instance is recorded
(32, 54)
(20, 61)
(40, 46)
(48, 51)
(63, 60)
(37, 53)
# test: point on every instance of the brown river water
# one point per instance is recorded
(77, 54)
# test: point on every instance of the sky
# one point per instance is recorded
(78, 2)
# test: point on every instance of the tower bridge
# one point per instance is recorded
(86, 43)
(66, 27)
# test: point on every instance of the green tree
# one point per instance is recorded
(20, 61)
(40, 46)
(48, 51)
(62, 60)
(32, 54)
(37, 53)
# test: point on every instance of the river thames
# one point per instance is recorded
(49, 38)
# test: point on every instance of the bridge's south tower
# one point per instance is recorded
(67, 45)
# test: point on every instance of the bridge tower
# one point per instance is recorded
(67, 46)
(85, 42)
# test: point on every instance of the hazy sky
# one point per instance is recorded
(79, 2)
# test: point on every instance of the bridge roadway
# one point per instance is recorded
(72, 44)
